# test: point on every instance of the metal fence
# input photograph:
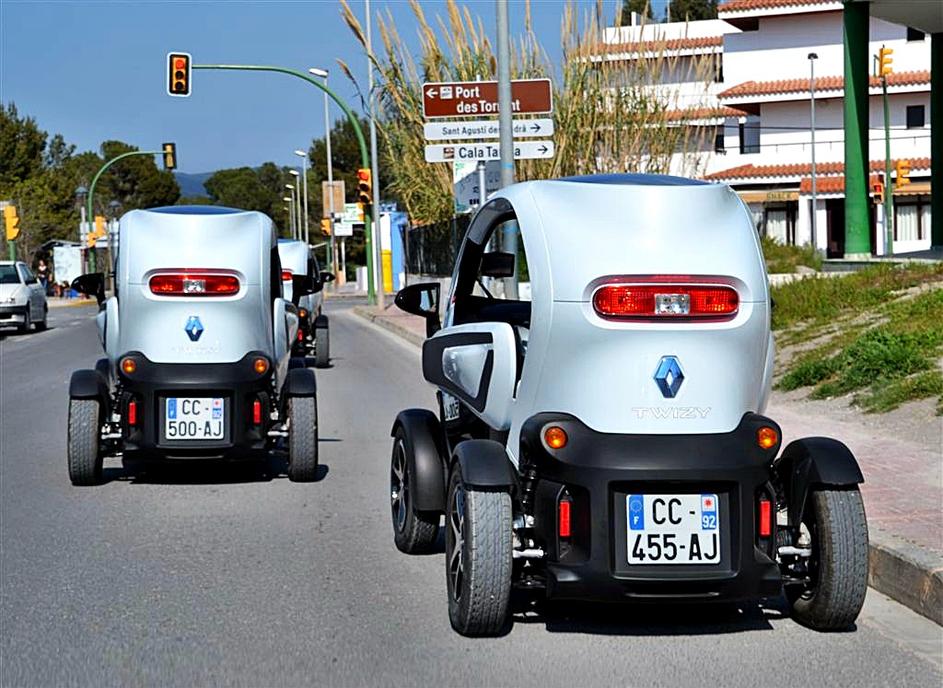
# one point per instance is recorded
(431, 249)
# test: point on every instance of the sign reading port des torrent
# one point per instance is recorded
(452, 152)
(480, 98)
(486, 129)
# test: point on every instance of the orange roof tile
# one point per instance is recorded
(822, 83)
(827, 185)
(825, 169)
(704, 113)
(745, 5)
(661, 45)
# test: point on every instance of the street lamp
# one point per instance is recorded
(81, 193)
(304, 186)
(330, 165)
(291, 189)
(295, 174)
(812, 58)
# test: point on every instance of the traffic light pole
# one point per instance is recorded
(888, 182)
(364, 154)
(91, 194)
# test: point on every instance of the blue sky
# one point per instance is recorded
(95, 70)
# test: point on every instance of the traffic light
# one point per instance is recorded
(11, 220)
(903, 172)
(884, 61)
(878, 187)
(99, 226)
(178, 74)
(170, 156)
(326, 226)
(364, 186)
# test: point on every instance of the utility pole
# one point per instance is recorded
(884, 68)
(505, 128)
(374, 169)
(814, 235)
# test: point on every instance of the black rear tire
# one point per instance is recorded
(84, 444)
(302, 439)
(839, 563)
(322, 347)
(478, 558)
(414, 532)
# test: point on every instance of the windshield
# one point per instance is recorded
(8, 275)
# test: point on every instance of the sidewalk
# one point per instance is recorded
(903, 489)
(60, 302)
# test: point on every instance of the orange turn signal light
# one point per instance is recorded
(260, 365)
(555, 437)
(767, 437)
(128, 365)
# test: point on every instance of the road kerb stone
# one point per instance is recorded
(390, 325)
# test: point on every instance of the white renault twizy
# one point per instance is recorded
(197, 341)
(602, 370)
(313, 334)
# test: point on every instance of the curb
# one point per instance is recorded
(71, 303)
(906, 573)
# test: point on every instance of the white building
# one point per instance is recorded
(761, 102)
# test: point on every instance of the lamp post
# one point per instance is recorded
(294, 173)
(291, 192)
(81, 193)
(812, 58)
(375, 172)
(114, 207)
(304, 185)
(330, 165)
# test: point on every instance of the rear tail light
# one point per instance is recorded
(766, 517)
(194, 283)
(132, 412)
(257, 412)
(260, 365)
(666, 300)
(301, 335)
(563, 519)
(286, 275)
(128, 365)
(767, 437)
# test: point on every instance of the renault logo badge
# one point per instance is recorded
(668, 376)
(194, 328)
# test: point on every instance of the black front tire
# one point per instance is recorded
(42, 324)
(27, 322)
(84, 445)
(414, 532)
(322, 347)
(478, 557)
(839, 564)
(302, 439)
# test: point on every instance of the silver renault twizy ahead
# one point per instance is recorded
(197, 341)
(602, 371)
(313, 334)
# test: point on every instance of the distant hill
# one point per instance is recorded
(192, 184)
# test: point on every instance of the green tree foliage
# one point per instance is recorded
(641, 7)
(693, 10)
(21, 147)
(261, 189)
(134, 182)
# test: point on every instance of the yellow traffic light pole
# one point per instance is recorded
(884, 61)
(364, 154)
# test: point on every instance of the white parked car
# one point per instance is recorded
(22, 297)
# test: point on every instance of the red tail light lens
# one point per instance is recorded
(257, 412)
(656, 301)
(194, 283)
(563, 519)
(766, 518)
(286, 275)
(132, 412)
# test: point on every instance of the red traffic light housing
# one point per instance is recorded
(364, 186)
(178, 74)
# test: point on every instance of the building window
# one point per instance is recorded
(781, 223)
(915, 35)
(719, 142)
(916, 117)
(912, 220)
(719, 69)
(750, 135)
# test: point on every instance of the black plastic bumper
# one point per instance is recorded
(237, 383)
(7, 313)
(597, 471)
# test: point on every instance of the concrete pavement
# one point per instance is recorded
(210, 574)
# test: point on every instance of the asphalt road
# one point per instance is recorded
(206, 574)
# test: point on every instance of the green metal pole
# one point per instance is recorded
(91, 194)
(364, 154)
(936, 140)
(888, 182)
(11, 246)
(855, 17)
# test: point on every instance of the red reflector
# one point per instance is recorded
(286, 275)
(665, 301)
(194, 283)
(564, 530)
(301, 334)
(766, 518)
(132, 412)
(257, 412)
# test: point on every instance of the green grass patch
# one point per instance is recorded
(888, 396)
(783, 258)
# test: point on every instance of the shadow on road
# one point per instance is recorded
(204, 471)
(653, 620)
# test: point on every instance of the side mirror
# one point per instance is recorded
(422, 300)
(302, 285)
(92, 284)
(326, 277)
(497, 264)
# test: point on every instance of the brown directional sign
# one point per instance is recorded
(480, 98)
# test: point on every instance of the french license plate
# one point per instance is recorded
(194, 418)
(673, 528)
